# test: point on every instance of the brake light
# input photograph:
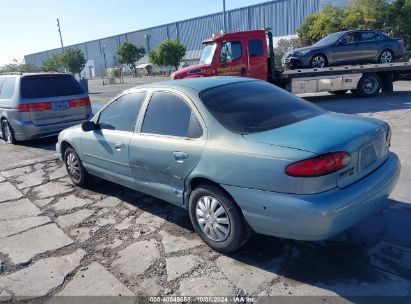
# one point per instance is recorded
(402, 42)
(79, 102)
(33, 107)
(319, 165)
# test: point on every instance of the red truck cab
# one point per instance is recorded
(233, 54)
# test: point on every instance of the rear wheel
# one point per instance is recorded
(318, 61)
(339, 92)
(217, 219)
(74, 167)
(386, 56)
(368, 86)
(7, 132)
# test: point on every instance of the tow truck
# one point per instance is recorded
(251, 54)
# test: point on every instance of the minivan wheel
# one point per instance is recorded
(217, 219)
(74, 167)
(386, 56)
(7, 132)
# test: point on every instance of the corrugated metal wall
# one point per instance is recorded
(283, 16)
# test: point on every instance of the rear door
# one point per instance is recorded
(257, 57)
(370, 45)
(232, 59)
(54, 98)
(168, 147)
(106, 150)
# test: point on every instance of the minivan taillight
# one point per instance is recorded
(79, 102)
(33, 107)
(319, 165)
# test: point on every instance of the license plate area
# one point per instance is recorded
(371, 153)
(59, 105)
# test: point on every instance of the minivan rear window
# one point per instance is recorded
(256, 106)
(45, 86)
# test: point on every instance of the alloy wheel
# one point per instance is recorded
(73, 166)
(213, 218)
(318, 62)
(386, 57)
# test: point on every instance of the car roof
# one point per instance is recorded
(199, 84)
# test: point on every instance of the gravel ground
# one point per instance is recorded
(107, 240)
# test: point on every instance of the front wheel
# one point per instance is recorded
(318, 61)
(74, 167)
(217, 219)
(7, 132)
(368, 86)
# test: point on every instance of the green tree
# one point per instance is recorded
(73, 60)
(170, 53)
(130, 54)
(53, 63)
(16, 66)
(399, 14)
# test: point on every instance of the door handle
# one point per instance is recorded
(118, 146)
(180, 156)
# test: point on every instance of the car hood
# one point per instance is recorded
(307, 48)
(322, 134)
(196, 69)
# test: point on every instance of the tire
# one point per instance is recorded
(318, 61)
(386, 56)
(339, 92)
(7, 132)
(368, 86)
(74, 167)
(234, 231)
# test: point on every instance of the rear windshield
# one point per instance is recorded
(49, 86)
(256, 106)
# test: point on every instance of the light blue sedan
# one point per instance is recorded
(240, 155)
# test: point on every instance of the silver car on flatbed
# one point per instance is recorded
(40, 105)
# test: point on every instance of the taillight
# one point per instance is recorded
(33, 107)
(402, 42)
(319, 165)
(79, 102)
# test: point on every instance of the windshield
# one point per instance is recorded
(208, 53)
(255, 106)
(330, 39)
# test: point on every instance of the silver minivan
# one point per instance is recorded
(40, 105)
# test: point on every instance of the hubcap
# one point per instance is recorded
(386, 57)
(370, 85)
(73, 166)
(318, 62)
(212, 218)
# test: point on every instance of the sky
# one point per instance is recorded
(30, 26)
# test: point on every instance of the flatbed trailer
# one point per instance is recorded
(252, 55)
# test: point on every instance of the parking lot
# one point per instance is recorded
(107, 240)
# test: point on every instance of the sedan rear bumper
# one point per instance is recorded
(317, 216)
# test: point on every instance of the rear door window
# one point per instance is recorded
(256, 106)
(122, 114)
(7, 89)
(169, 114)
(371, 36)
(45, 86)
(255, 47)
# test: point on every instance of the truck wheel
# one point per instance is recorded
(368, 86)
(7, 132)
(339, 92)
(318, 61)
(386, 56)
(217, 219)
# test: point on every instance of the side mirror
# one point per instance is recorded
(89, 126)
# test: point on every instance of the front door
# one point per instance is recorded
(347, 50)
(106, 150)
(168, 147)
(231, 59)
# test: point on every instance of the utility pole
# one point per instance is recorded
(224, 18)
(61, 38)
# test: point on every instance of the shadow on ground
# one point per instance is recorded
(371, 258)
